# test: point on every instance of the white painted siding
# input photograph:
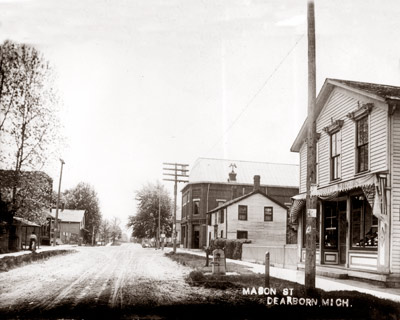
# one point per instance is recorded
(303, 168)
(395, 210)
(337, 108)
(259, 231)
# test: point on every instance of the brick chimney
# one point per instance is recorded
(232, 174)
(256, 182)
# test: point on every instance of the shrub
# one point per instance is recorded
(232, 247)
(196, 276)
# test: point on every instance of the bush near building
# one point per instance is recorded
(232, 247)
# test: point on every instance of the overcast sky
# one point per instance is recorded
(152, 81)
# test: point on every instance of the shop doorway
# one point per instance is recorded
(334, 232)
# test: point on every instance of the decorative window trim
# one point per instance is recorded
(362, 111)
(334, 127)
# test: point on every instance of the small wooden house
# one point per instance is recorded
(254, 216)
(212, 182)
(358, 180)
(71, 225)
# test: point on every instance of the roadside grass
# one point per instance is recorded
(247, 289)
(10, 262)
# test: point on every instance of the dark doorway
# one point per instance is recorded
(196, 237)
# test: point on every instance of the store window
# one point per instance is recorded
(364, 225)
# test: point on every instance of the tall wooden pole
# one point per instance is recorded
(311, 154)
(57, 205)
(175, 196)
(159, 218)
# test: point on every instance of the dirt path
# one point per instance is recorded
(112, 277)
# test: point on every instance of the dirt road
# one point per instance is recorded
(98, 278)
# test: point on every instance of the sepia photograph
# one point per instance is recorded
(199, 159)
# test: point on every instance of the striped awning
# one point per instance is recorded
(298, 202)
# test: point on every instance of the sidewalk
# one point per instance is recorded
(41, 249)
(324, 283)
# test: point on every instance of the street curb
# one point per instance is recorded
(10, 262)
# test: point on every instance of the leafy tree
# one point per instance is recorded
(32, 196)
(104, 231)
(115, 229)
(110, 230)
(28, 121)
(145, 223)
(84, 197)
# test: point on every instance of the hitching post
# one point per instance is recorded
(266, 285)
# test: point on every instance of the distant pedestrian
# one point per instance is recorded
(32, 241)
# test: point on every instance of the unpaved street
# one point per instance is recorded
(125, 276)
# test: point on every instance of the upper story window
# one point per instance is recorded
(221, 216)
(268, 214)
(242, 213)
(196, 206)
(336, 150)
(362, 144)
(335, 138)
(360, 117)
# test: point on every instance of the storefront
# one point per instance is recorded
(351, 224)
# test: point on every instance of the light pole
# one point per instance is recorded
(58, 203)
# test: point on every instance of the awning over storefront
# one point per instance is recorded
(298, 202)
(368, 180)
(372, 185)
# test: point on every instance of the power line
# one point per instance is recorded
(257, 92)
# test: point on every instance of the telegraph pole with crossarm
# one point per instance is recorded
(179, 172)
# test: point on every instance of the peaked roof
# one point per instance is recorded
(68, 215)
(381, 92)
(271, 174)
(230, 202)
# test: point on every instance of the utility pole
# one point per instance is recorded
(311, 201)
(179, 173)
(57, 205)
(159, 218)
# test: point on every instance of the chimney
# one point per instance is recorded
(256, 183)
(232, 174)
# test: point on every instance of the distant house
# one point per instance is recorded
(254, 216)
(212, 182)
(71, 225)
(358, 180)
(33, 190)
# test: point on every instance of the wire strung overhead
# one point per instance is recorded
(248, 104)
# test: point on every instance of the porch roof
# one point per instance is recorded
(25, 222)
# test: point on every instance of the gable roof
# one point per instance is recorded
(233, 201)
(271, 174)
(381, 92)
(68, 215)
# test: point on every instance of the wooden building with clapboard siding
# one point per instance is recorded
(212, 182)
(358, 180)
(254, 216)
